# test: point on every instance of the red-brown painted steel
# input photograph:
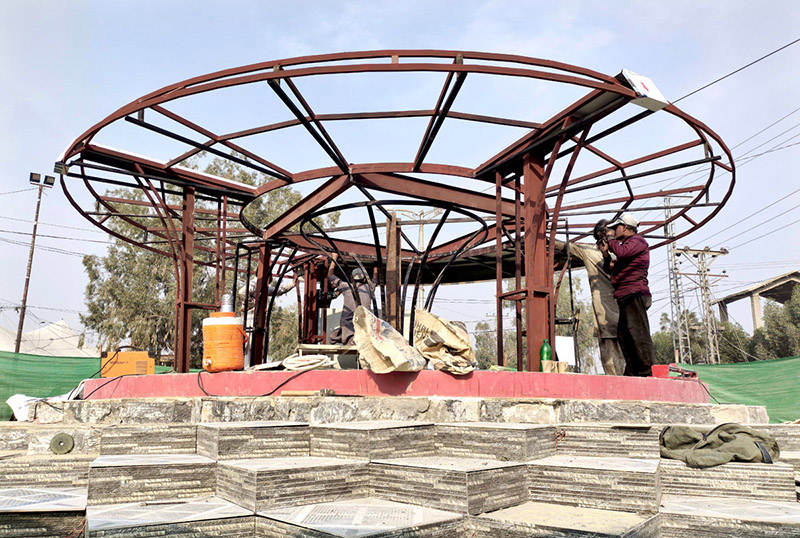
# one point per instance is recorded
(535, 225)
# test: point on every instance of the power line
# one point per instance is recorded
(58, 237)
(92, 230)
(764, 235)
(15, 192)
(740, 69)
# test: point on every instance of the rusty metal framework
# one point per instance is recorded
(567, 168)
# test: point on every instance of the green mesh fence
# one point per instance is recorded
(42, 376)
(774, 384)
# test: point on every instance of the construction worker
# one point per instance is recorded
(344, 333)
(627, 256)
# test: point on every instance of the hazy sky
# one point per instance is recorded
(66, 65)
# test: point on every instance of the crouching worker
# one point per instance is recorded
(345, 332)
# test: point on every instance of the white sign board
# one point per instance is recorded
(648, 95)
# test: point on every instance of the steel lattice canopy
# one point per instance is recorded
(428, 112)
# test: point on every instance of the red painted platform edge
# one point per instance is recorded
(425, 383)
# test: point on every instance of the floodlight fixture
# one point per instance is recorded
(35, 178)
(49, 181)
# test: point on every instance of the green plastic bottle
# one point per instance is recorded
(544, 354)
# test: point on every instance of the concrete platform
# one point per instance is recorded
(689, 517)
(138, 477)
(41, 512)
(497, 441)
(202, 517)
(545, 519)
(260, 484)
(252, 439)
(621, 484)
(373, 439)
(359, 517)
(462, 485)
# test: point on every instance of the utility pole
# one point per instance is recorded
(680, 319)
(702, 259)
(35, 179)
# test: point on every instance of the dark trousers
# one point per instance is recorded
(633, 333)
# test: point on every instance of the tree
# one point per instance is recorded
(131, 291)
(733, 342)
(486, 331)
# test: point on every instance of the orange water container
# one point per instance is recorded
(223, 342)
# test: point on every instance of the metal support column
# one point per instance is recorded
(183, 317)
(538, 276)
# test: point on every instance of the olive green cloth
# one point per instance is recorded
(700, 447)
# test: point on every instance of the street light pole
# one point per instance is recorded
(48, 182)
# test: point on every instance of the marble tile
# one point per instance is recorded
(42, 499)
(358, 517)
(111, 516)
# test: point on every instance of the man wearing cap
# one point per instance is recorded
(627, 256)
(345, 332)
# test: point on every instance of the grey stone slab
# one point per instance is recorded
(144, 514)
(453, 484)
(259, 484)
(70, 470)
(231, 527)
(371, 440)
(553, 520)
(252, 439)
(149, 439)
(358, 518)
(772, 482)
(622, 484)
(41, 525)
(500, 441)
(126, 460)
(787, 435)
(85, 438)
(32, 499)
(132, 411)
(602, 439)
(117, 479)
(686, 516)
(13, 436)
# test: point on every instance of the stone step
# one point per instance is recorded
(259, 484)
(562, 521)
(791, 458)
(461, 485)
(359, 517)
(117, 479)
(684, 516)
(787, 435)
(149, 439)
(762, 481)
(50, 438)
(14, 436)
(613, 440)
(51, 471)
(369, 440)
(496, 441)
(252, 439)
(209, 517)
(622, 484)
(41, 512)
